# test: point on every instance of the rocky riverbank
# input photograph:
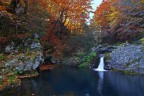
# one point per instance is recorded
(20, 61)
(127, 58)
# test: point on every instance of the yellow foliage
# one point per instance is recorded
(70, 12)
(113, 16)
(142, 1)
(66, 22)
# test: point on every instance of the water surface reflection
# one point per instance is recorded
(79, 82)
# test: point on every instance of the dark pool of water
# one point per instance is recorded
(79, 82)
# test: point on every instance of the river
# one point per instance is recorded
(79, 82)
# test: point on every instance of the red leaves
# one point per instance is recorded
(16, 36)
(47, 66)
(3, 40)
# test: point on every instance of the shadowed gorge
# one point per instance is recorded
(71, 47)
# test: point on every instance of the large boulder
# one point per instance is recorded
(105, 48)
(128, 58)
(28, 60)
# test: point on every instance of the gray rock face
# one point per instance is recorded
(35, 45)
(27, 62)
(9, 48)
(128, 58)
(104, 48)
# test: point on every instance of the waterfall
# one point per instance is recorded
(101, 65)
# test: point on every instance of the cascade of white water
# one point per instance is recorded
(101, 65)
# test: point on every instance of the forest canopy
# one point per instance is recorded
(120, 20)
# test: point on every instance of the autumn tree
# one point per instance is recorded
(120, 19)
(65, 17)
(100, 20)
(132, 19)
(67, 14)
(54, 20)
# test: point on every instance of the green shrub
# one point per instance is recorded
(11, 78)
(82, 65)
(107, 56)
(142, 40)
(118, 43)
(18, 72)
(1, 82)
(28, 51)
(87, 59)
(2, 57)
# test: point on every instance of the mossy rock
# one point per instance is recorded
(127, 72)
(11, 78)
(130, 72)
(28, 74)
(2, 57)
(107, 56)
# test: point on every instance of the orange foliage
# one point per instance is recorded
(64, 14)
(68, 12)
(2, 8)
(55, 41)
(101, 13)
(46, 67)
